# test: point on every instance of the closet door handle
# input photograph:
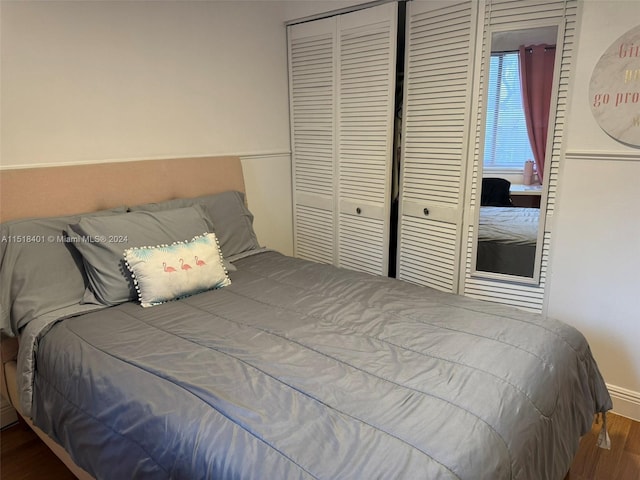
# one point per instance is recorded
(358, 210)
(426, 211)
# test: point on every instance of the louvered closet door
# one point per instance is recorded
(366, 100)
(342, 81)
(312, 95)
(438, 83)
(504, 14)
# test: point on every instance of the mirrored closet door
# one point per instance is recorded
(517, 118)
(513, 171)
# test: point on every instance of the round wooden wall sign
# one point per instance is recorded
(615, 89)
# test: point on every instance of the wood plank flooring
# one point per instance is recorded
(25, 457)
(622, 462)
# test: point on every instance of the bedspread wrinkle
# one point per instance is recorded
(301, 370)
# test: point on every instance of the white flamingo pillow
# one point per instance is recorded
(168, 272)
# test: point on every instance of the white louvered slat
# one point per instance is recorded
(341, 89)
(312, 50)
(428, 256)
(367, 60)
(312, 93)
(506, 12)
(360, 244)
(436, 118)
(503, 13)
(314, 240)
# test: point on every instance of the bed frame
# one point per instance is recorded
(65, 190)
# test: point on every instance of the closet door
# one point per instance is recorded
(342, 82)
(509, 15)
(366, 101)
(437, 92)
(312, 99)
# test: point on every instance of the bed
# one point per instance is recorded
(507, 238)
(281, 368)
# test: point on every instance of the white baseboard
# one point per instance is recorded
(625, 402)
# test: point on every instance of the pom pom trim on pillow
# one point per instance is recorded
(169, 272)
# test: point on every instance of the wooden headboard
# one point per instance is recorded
(55, 191)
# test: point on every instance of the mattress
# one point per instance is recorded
(303, 370)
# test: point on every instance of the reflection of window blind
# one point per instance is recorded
(506, 140)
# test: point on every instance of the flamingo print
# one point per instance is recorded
(199, 263)
(166, 268)
(184, 266)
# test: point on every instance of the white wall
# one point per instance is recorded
(297, 9)
(104, 81)
(595, 264)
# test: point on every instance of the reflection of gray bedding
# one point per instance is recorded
(299, 370)
(512, 225)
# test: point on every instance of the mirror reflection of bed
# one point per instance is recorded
(507, 234)
(516, 121)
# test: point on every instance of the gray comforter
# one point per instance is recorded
(300, 370)
(510, 225)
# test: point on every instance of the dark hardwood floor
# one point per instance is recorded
(25, 457)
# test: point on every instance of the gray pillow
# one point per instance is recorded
(40, 272)
(232, 220)
(102, 242)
